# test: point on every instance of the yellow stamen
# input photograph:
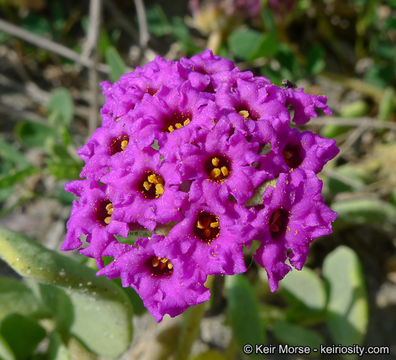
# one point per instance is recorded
(244, 113)
(186, 122)
(109, 206)
(214, 224)
(170, 266)
(215, 172)
(107, 220)
(178, 125)
(147, 185)
(124, 144)
(155, 262)
(159, 189)
(170, 128)
(110, 211)
(199, 225)
(224, 170)
(215, 161)
(164, 260)
(153, 179)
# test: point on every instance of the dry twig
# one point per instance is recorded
(364, 121)
(49, 45)
(90, 51)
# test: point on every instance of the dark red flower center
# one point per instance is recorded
(103, 211)
(278, 222)
(152, 185)
(218, 168)
(206, 226)
(159, 266)
(293, 155)
(151, 91)
(176, 121)
(119, 144)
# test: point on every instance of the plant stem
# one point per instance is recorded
(189, 331)
(190, 327)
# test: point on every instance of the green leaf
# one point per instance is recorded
(315, 61)
(16, 297)
(157, 21)
(355, 176)
(5, 193)
(356, 109)
(296, 335)
(33, 134)
(243, 312)
(386, 105)
(347, 311)
(61, 107)
(57, 350)
(305, 288)
(117, 65)
(365, 211)
(9, 153)
(380, 75)
(102, 312)
(12, 328)
(243, 42)
(290, 68)
(267, 46)
(5, 351)
(60, 305)
(61, 164)
(16, 176)
(182, 33)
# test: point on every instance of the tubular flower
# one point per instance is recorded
(295, 149)
(92, 216)
(213, 239)
(183, 152)
(167, 284)
(294, 214)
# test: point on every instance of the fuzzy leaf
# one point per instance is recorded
(11, 330)
(101, 311)
(61, 107)
(347, 311)
(305, 288)
(117, 65)
(16, 297)
(243, 312)
(296, 335)
(365, 211)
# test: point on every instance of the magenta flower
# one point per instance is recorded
(173, 117)
(251, 103)
(92, 216)
(220, 165)
(304, 105)
(122, 97)
(213, 239)
(167, 284)
(108, 148)
(144, 193)
(184, 150)
(294, 214)
(294, 149)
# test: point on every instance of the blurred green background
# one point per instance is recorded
(54, 53)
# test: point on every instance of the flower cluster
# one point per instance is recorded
(184, 146)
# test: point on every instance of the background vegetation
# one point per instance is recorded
(54, 53)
